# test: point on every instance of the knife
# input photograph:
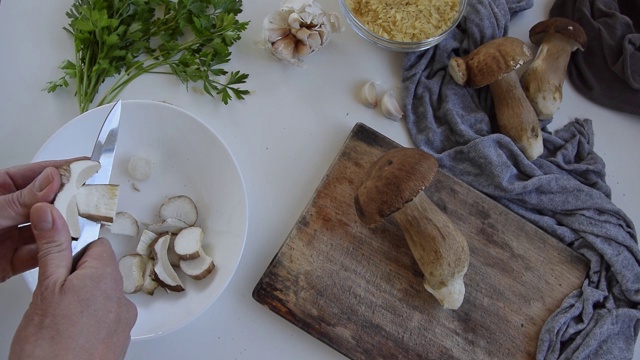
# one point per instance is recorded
(103, 152)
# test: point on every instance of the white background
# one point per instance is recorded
(284, 136)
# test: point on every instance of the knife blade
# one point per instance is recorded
(103, 152)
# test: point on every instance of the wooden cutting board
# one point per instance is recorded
(359, 290)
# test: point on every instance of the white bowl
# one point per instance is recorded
(191, 160)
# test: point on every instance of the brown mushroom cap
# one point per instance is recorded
(565, 27)
(492, 60)
(393, 180)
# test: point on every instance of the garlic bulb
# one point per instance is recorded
(389, 106)
(368, 94)
(298, 29)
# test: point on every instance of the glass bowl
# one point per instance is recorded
(403, 46)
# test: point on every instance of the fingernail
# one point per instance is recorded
(41, 218)
(43, 180)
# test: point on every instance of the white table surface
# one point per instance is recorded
(284, 136)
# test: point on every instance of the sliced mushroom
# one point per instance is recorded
(188, 243)
(78, 172)
(494, 64)
(179, 207)
(393, 186)
(140, 167)
(149, 285)
(163, 272)
(542, 82)
(124, 224)
(170, 225)
(98, 202)
(199, 267)
(132, 268)
(144, 245)
(73, 176)
(174, 258)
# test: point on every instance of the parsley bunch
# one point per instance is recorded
(128, 38)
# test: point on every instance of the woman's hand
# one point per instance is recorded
(21, 187)
(73, 315)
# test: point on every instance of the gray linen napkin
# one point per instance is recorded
(563, 191)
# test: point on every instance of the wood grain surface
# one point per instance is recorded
(359, 290)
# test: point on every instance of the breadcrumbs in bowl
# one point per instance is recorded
(405, 25)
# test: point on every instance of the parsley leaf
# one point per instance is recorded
(190, 39)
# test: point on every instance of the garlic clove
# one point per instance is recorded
(303, 34)
(303, 49)
(276, 34)
(277, 20)
(314, 41)
(294, 20)
(283, 49)
(368, 94)
(309, 18)
(334, 23)
(389, 106)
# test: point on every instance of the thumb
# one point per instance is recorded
(17, 204)
(54, 244)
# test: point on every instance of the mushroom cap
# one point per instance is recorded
(565, 27)
(491, 61)
(393, 180)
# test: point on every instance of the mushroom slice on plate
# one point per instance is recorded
(163, 272)
(188, 243)
(140, 167)
(149, 285)
(132, 268)
(169, 225)
(198, 268)
(124, 224)
(144, 244)
(179, 207)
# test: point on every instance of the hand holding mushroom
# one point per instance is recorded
(393, 187)
(21, 187)
(494, 64)
(53, 324)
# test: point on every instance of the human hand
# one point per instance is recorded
(21, 187)
(73, 315)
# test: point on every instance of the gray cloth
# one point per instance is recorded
(608, 71)
(563, 191)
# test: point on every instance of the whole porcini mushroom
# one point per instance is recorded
(494, 64)
(542, 82)
(393, 186)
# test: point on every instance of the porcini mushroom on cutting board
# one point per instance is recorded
(494, 64)
(393, 187)
(542, 82)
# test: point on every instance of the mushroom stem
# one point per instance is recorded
(516, 118)
(438, 247)
(542, 82)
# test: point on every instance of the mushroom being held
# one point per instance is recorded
(76, 199)
(393, 187)
(494, 64)
(542, 82)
